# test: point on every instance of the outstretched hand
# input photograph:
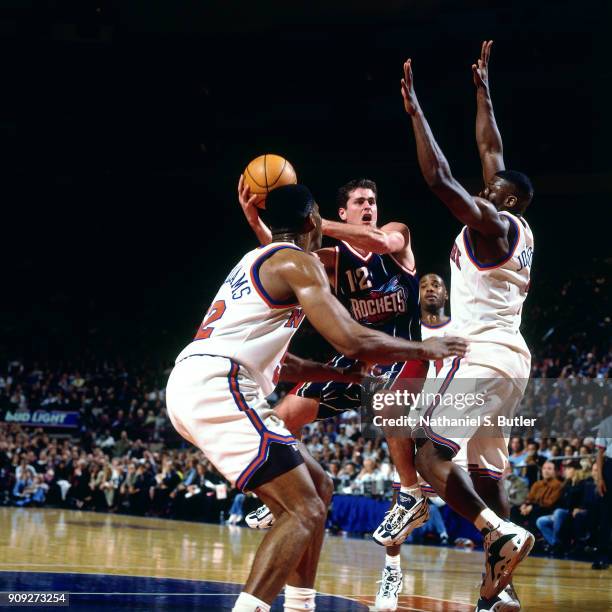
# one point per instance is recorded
(480, 70)
(411, 104)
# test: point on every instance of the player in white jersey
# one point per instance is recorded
(490, 264)
(216, 392)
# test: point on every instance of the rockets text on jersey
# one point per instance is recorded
(377, 291)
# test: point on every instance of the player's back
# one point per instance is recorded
(378, 291)
(246, 324)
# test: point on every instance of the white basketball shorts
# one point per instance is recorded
(214, 404)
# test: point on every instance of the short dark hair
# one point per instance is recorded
(287, 208)
(344, 192)
(521, 183)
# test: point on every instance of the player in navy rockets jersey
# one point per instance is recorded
(372, 271)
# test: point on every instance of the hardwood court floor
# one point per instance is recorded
(38, 547)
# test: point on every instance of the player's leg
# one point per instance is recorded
(411, 509)
(488, 459)
(505, 544)
(300, 515)
(391, 581)
(296, 411)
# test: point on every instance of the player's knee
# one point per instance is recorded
(311, 513)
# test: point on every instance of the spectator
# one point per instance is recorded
(542, 498)
(515, 486)
(552, 525)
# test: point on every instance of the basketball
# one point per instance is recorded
(267, 172)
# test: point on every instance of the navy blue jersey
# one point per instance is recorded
(378, 292)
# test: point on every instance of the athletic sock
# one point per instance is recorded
(393, 561)
(249, 603)
(487, 520)
(299, 598)
(414, 490)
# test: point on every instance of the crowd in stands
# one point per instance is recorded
(125, 457)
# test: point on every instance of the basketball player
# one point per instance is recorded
(216, 391)
(434, 323)
(490, 270)
(369, 268)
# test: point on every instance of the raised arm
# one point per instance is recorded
(476, 213)
(251, 212)
(391, 238)
(306, 278)
(488, 137)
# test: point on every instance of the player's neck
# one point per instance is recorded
(300, 240)
(434, 318)
(285, 237)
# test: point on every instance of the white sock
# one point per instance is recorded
(487, 519)
(298, 598)
(249, 603)
(393, 561)
(414, 490)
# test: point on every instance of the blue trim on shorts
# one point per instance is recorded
(267, 436)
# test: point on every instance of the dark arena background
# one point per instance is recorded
(124, 128)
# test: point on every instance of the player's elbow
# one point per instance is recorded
(380, 243)
(439, 178)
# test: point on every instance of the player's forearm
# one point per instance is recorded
(375, 347)
(434, 166)
(437, 174)
(488, 138)
(296, 369)
(262, 231)
(360, 236)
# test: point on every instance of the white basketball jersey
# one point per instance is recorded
(245, 324)
(487, 299)
(437, 331)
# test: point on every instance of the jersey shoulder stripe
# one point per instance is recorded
(503, 260)
(263, 294)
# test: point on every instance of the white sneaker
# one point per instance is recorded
(390, 587)
(504, 548)
(506, 601)
(262, 518)
(407, 514)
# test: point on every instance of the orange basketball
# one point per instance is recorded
(267, 172)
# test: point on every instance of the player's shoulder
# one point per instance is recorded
(327, 256)
(296, 260)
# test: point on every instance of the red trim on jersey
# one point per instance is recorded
(337, 260)
(352, 250)
(404, 268)
(484, 267)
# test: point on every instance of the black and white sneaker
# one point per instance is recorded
(262, 518)
(506, 601)
(504, 547)
(390, 587)
(407, 514)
